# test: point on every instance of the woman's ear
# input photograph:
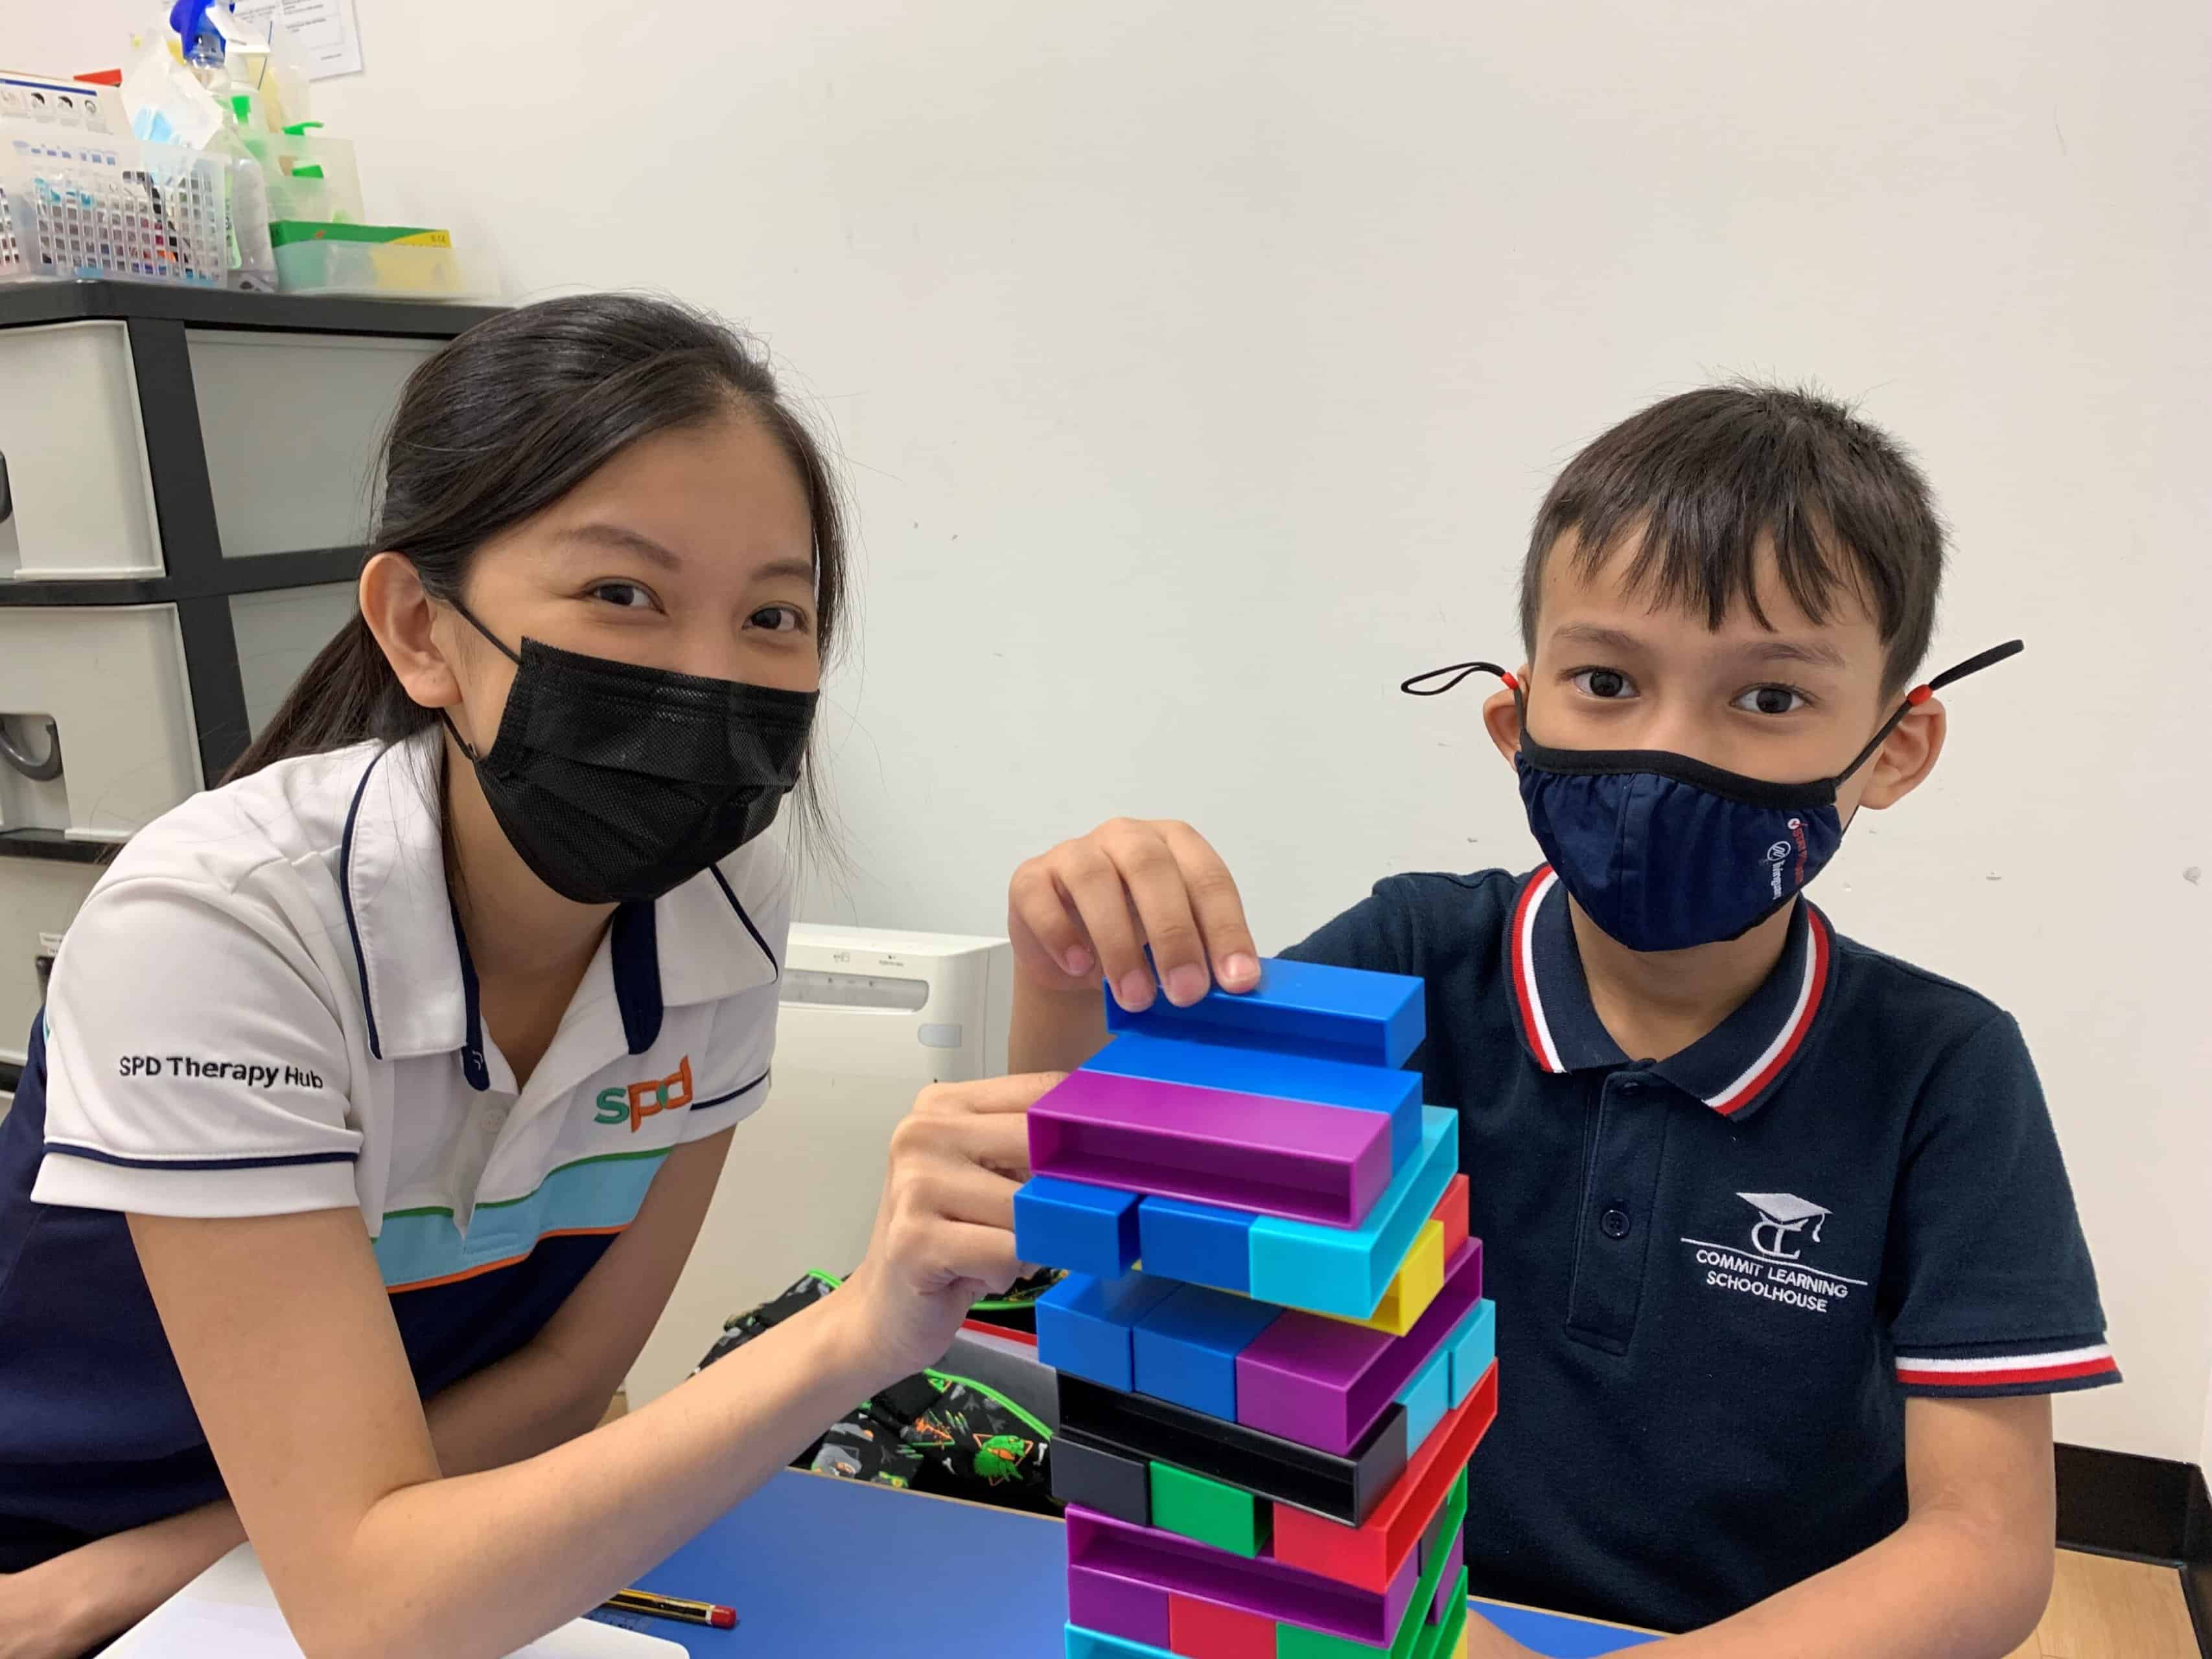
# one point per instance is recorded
(1501, 715)
(1907, 756)
(399, 613)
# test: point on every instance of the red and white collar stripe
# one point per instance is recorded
(1814, 984)
(2007, 1370)
(1531, 1001)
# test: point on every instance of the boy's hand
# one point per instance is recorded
(1089, 907)
(53, 1611)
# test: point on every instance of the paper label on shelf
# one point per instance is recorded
(326, 31)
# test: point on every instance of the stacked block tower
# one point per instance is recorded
(1274, 1356)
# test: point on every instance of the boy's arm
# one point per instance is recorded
(1966, 1577)
(1085, 913)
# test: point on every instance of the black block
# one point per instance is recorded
(1343, 1489)
(1089, 1472)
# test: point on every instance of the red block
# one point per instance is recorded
(1451, 1210)
(1368, 1556)
(1200, 1629)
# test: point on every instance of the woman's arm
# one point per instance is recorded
(279, 1327)
(552, 1389)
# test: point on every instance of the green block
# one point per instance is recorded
(1454, 1625)
(1191, 1506)
(1294, 1642)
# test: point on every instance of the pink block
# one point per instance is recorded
(1120, 1606)
(1455, 1553)
(1288, 1157)
(1324, 1383)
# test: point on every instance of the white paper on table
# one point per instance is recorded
(228, 1613)
(326, 31)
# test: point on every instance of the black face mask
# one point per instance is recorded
(616, 783)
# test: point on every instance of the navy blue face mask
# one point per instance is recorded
(1664, 851)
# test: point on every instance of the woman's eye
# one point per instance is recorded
(1609, 683)
(629, 596)
(778, 619)
(1770, 700)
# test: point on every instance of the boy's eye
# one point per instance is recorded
(778, 619)
(626, 596)
(1770, 700)
(1609, 683)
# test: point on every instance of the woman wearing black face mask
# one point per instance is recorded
(382, 1090)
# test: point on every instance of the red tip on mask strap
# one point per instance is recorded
(1919, 694)
(1511, 683)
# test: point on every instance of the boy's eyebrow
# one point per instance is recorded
(1818, 653)
(1590, 634)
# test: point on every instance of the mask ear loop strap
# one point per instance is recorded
(498, 644)
(1920, 694)
(1458, 671)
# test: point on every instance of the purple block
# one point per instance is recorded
(1147, 1556)
(1455, 1553)
(1324, 1383)
(1118, 1607)
(1285, 1158)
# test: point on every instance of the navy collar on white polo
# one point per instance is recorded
(693, 944)
(1733, 1068)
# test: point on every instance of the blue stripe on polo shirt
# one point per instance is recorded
(422, 1247)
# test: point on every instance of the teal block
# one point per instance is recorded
(1097, 1645)
(1426, 1397)
(1087, 1326)
(1473, 1345)
(1270, 1072)
(1345, 1270)
(1084, 1229)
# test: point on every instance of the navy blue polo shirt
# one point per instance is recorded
(1719, 1275)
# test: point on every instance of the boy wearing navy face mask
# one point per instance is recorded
(1793, 1259)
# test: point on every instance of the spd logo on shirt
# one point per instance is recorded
(640, 1101)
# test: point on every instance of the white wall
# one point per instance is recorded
(1199, 365)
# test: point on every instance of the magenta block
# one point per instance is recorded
(1120, 1606)
(1455, 1553)
(1146, 1557)
(1284, 1157)
(1324, 1383)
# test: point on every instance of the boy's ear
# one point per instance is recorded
(1907, 756)
(1501, 716)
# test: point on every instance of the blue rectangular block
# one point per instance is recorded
(1066, 1224)
(1345, 1270)
(1187, 1347)
(1472, 1345)
(1085, 1325)
(1427, 1396)
(1299, 1007)
(1200, 1242)
(1271, 1071)
(1097, 1644)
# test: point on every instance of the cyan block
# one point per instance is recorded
(1271, 1071)
(1472, 1345)
(1298, 1007)
(1086, 1325)
(1097, 1644)
(1200, 1242)
(1066, 1224)
(1427, 1397)
(1187, 1347)
(1345, 1270)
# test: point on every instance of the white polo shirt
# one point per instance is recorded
(266, 1006)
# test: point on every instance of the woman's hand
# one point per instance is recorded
(52, 1611)
(1090, 906)
(945, 1231)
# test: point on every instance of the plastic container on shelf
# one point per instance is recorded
(307, 176)
(89, 205)
(314, 257)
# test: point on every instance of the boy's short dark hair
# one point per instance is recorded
(1707, 474)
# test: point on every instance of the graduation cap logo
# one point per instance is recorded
(1781, 1217)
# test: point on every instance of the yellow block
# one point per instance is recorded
(1413, 1287)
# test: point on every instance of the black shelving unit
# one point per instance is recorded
(196, 579)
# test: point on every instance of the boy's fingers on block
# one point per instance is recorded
(954, 1250)
(1219, 907)
(1036, 906)
(997, 1143)
(1094, 886)
(967, 1193)
(1154, 878)
(986, 1096)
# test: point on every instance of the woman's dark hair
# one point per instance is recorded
(502, 423)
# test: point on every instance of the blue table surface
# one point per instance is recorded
(821, 1568)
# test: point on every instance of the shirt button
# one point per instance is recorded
(1613, 1224)
(1631, 1085)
